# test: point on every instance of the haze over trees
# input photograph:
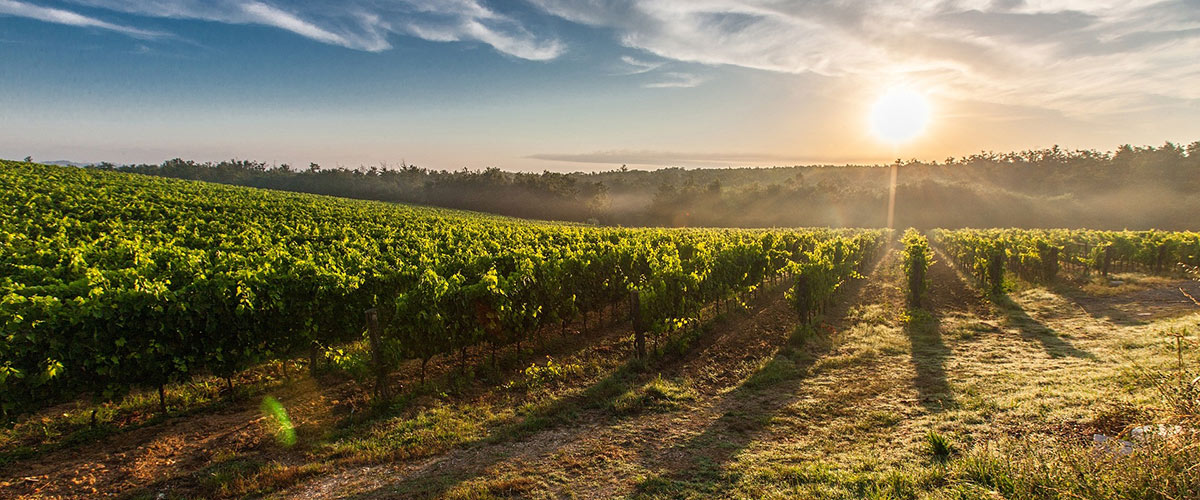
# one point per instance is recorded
(1132, 187)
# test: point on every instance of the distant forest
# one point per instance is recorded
(1132, 187)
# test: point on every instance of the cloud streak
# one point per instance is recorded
(639, 66)
(1075, 56)
(61, 16)
(679, 158)
(366, 25)
(676, 80)
(262, 13)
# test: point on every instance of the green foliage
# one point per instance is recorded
(658, 394)
(1038, 255)
(550, 373)
(110, 281)
(917, 258)
(820, 267)
(938, 446)
(352, 361)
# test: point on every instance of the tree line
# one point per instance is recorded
(1130, 187)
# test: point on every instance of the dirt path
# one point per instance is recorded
(1143, 306)
(966, 368)
(597, 454)
(590, 440)
(861, 395)
(172, 455)
(159, 452)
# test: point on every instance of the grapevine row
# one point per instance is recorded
(111, 281)
(1041, 255)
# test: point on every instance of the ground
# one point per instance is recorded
(745, 407)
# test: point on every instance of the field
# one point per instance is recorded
(174, 339)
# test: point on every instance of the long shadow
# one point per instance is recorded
(432, 481)
(595, 402)
(445, 378)
(1154, 303)
(750, 408)
(1105, 311)
(929, 354)
(1031, 328)
(949, 293)
(1102, 308)
(429, 481)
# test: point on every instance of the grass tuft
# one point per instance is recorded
(658, 394)
(938, 446)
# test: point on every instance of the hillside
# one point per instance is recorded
(1130, 188)
(115, 281)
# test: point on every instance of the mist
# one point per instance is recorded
(1129, 188)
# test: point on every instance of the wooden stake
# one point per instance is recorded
(381, 389)
(639, 331)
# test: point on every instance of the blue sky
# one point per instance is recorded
(586, 84)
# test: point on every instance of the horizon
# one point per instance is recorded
(571, 86)
(1184, 147)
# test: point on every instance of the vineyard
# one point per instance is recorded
(1041, 256)
(114, 281)
(462, 355)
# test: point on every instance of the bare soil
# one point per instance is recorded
(598, 454)
(864, 390)
(167, 456)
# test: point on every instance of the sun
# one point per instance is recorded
(899, 115)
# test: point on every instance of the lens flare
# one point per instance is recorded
(285, 432)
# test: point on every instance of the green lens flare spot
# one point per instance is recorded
(285, 432)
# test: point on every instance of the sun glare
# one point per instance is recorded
(899, 115)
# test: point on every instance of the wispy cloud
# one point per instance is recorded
(366, 25)
(523, 47)
(655, 79)
(262, 13)
(676, 80)
(1077, 56)
(679, 158)
(639, 66)
(60, 16)
(1074, 56)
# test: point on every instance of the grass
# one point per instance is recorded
(939, 447)
(1012, 469)
(511, 486)
(772, 371)
(946, 402)
(1030, 470)
(70, 424)
(241, 477)
(1024, 412)
(1120, 284)
(658, 394)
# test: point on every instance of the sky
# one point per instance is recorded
(580, 85)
